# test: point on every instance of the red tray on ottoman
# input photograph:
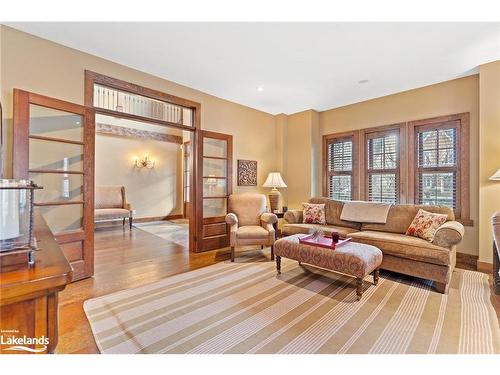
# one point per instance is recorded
(323, 241)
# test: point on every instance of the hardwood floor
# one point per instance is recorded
(125, 260)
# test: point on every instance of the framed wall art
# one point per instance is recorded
(247, 173)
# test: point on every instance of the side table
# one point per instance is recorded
(275, 225)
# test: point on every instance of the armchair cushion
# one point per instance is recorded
(248, 207)
(252, 232)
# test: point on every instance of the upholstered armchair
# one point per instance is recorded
(110, 204)
(249, 221)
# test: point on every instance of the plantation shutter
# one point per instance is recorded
(383, 167)
(340, 168)
(437, 170)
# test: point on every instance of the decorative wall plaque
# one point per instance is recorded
(247, 173)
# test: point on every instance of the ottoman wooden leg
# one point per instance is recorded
(278, 264)
(232, 253)
(359, 287)
(376, 274)
(272, 252)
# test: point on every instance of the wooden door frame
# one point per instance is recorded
(21, 136)
(199, 181)
(92, 78)
(185, 205)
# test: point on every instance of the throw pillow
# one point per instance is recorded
(314, 213)
(425, 225)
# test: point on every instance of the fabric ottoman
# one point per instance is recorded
(353, 259)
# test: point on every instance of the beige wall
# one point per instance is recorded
(151, 192)
(301, 147)
(460, 95)
(47, 68)
(489, 157)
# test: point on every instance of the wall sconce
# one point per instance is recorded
(144, 163)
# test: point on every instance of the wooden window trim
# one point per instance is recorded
(327, 140)
(368, 133)
(463, 203)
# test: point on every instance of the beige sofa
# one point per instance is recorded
(111, 204)
(405, 254)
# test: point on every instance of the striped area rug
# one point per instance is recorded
(243, 307)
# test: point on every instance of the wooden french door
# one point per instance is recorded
(214, 185)
(54, 147)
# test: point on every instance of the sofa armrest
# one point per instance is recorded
(449, 234)
(293, 216)
(268, 218)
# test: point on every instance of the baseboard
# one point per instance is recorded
(485, 267)
(467, 261)
(146, 219)
(157, 218)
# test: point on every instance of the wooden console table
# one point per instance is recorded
(28, 295)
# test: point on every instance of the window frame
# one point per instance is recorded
(370, 133)
(354, 173)
(461, 122)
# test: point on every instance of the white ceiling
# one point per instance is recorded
(299, 65)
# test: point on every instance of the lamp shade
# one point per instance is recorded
(495, 177)
(274, 180)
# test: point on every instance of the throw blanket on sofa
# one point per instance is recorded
(365, 212)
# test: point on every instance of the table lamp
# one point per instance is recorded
(274, 181)
(496, 176)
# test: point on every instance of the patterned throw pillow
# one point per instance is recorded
(425, 225)
(314, 213)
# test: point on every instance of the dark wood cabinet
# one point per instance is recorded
(29, 295)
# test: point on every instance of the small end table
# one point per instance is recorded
(275, 225)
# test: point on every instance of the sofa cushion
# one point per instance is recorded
(289, 229)
(401, 215)
(313, 213)
(333, 209)
(110, 213)
(402, 246)
(425, 225)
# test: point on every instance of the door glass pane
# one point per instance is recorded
(214, 147)
(55, 155)
(214, 207)
(214, 167)
(50, 122)
(58, 187)
(214, 187)
(63, 218)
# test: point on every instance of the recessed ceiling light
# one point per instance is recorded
(260, 88)
(363, 81)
